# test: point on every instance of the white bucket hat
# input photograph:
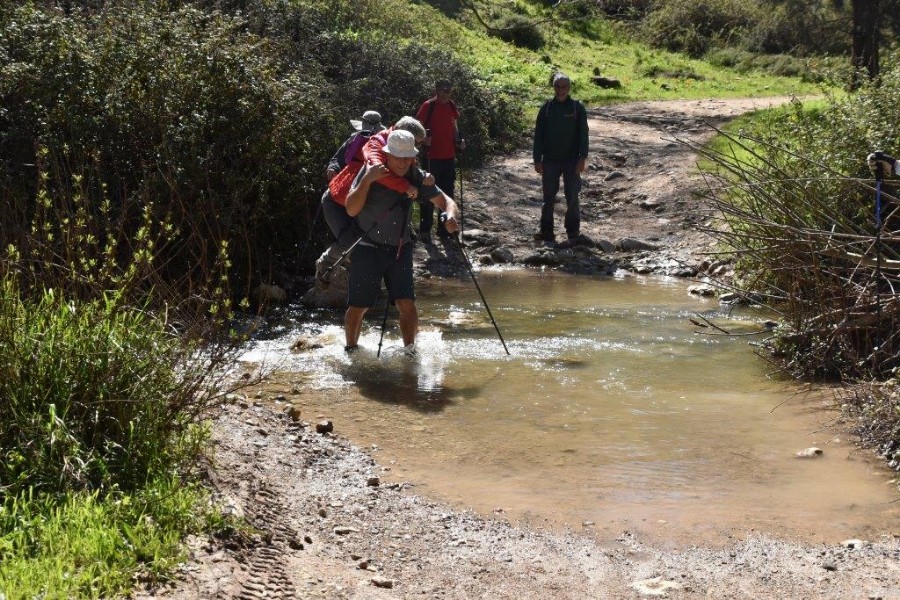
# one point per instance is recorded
(401, 144)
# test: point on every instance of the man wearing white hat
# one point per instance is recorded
(385, 252)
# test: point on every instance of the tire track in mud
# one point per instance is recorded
(267, 577)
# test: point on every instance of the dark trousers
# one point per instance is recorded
(571, 187)
(444, 171)
(342, 225)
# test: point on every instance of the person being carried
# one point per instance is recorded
(438, 115)
(385, 252)
(561, 149)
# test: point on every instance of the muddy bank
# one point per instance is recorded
(326, 526)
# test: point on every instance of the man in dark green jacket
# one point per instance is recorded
(560, 149)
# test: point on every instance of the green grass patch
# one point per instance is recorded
(79, 545)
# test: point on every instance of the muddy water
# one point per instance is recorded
(612, 413)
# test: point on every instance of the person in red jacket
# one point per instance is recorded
(438, 115)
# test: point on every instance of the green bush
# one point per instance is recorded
(95, 395)
(224, 121)
(518, 30)
(696, 26)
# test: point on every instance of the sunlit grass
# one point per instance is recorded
(80, 546)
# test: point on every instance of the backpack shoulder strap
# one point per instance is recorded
(430, 112)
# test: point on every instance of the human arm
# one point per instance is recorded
(449, 208)
(582, 137)
(356, 199)
(537, 150)
(458, 138)
(337, 161)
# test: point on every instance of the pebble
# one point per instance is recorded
(382, 582)
(809, 453)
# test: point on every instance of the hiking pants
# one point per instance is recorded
(571, 186)
(341, 224)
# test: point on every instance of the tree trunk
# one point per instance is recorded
(864, 53)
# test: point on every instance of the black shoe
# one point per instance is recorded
(581, 240)
(425, 238)
(544, 236)
(351, 349)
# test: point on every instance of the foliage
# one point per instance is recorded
(794, 27)
(82, 545)
(95, 395)
(519, 31)
(694, 27)
(798, 205)
(226, 120)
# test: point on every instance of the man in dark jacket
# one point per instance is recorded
(560, 149)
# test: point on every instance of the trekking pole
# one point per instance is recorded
(480, 293)
(879, 179)
(461, 213)
(387, 306)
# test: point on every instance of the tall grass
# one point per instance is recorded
(84, 545)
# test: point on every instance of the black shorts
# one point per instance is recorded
(370, 264)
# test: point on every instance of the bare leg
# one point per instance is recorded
(353, 319)
(409, 320)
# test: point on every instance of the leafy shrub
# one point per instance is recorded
(800, 213)
(518, 30)
(95, 395)
(694, 27)
(225, 121)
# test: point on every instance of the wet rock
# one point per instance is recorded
(304, 344)
(373, 481)
(812, 452)
(634, 245)
(266, 294)
(481, 237)
(614, 175)
(502, 255)
(606, 246)
(702, 289)
(538, 259)
(324, 427)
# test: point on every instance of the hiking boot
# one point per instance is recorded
(544, 236)
(581, 240)
(410, 350)
(351, 349)
(425, 238)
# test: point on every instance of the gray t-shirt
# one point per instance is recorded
(385, 217)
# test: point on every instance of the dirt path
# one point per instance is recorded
(327, 527)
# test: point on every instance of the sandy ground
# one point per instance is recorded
(323, 524)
